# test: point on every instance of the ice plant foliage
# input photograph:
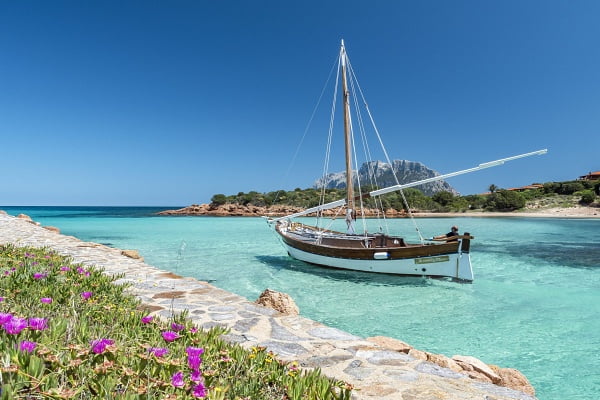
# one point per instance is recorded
(108, 346)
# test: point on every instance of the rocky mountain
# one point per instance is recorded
(383, 174)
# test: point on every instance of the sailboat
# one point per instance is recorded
(378, 252)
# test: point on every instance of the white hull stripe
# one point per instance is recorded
(457, 266)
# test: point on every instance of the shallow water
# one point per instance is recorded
(534, 304)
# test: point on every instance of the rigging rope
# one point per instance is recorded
(408, 210)
(293, 161)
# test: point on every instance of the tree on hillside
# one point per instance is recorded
(443, 198)
(218, 199)
(587, 197)
(475, 201)
(493, 188)
(505, 200)
(571, 187)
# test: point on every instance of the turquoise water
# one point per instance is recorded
(534, 305)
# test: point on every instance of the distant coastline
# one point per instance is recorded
(236, 210)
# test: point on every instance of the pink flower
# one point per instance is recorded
(86, 295)
(4, 318)
(40, 275)
(194, 362)
(46, 300)
(199, 390)
(177, 379)
(196, 376)
(38, 324)
(170, 336)
(147, 319)
(158, 351)
(100, 345)
(65, 268)
(177, 327)
(194, 359)
(1, 299)
(15, 325)
(27, 346)
(198, 351)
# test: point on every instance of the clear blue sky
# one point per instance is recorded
(168, 103)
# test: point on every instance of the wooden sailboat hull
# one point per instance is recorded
(437, 260)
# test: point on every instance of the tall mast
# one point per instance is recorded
(350, 212)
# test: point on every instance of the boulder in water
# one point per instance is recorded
(278, 301)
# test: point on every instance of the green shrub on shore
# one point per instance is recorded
(498, 200)
(67, 331)
(587, 196)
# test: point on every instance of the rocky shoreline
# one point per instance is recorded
(378, 367)
(237, 210)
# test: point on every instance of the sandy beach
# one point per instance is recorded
(557, 212)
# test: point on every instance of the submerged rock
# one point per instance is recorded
(514, 379)
(27, 218)
(132, 254)
(475, 366)
(391, 343)
(281, 302)
(466, 365)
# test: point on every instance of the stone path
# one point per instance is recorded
(376, 371)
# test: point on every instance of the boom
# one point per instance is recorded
(464, 171)
(342, 202)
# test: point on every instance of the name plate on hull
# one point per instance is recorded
(431, 260)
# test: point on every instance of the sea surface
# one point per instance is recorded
(534, 304)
